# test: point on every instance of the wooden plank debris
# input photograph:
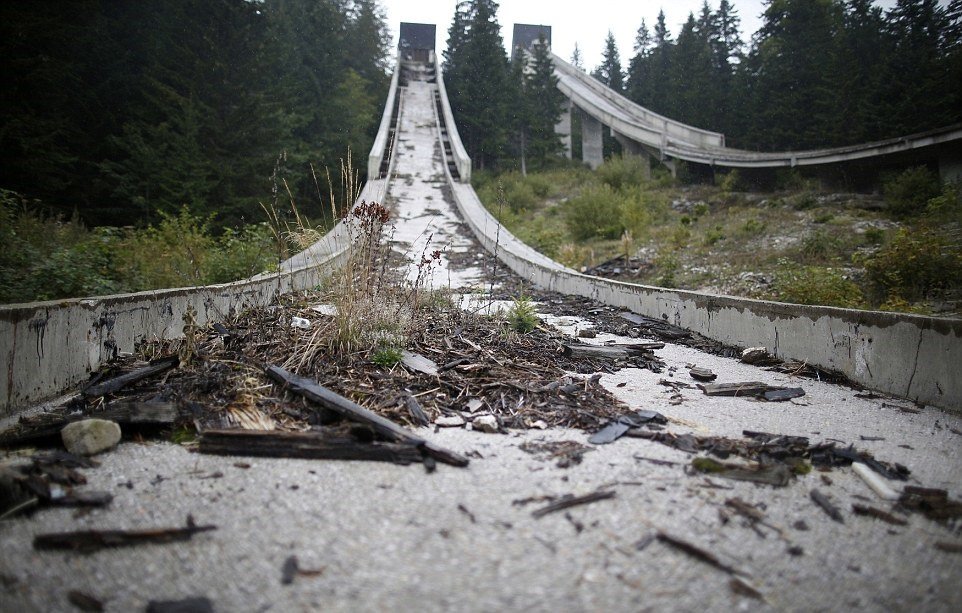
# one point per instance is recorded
(117, 383)
(385, 427)
(747, 388)
(861, 509)
(702, 374)
(126, 414)
(88, 541)
(568, 501)
(610, 352)
(417, 413)
(781, 395)
(196, 604)
(419, 363)
(84, 601)
(304, 445)
(826, 505)
(697, 552)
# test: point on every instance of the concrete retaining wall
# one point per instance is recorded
(48, 347)
(461, 160)
(919, 358)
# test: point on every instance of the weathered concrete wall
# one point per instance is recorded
(48, 347)
(382, 140)
(461, 159)
(906, 355)
(563, 127)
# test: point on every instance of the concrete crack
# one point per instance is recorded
(915, 366)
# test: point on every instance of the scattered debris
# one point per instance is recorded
(300, 323)
(697, 552)
(757, 356)
(289, 570)
(748, 388)
(874, 482)
(933, 503)
(738, 586)
(948, 547)
(187, 605)
(328, 399)
(84, 601)
(642, 543)
(569, 500)
(771, 474)
(781, 395)
(417, 413)
(830, 509)
(702, 374)
(419, 363)
(90, 436)
(129, 415)
(860, 509)
(88, 541)
(118, 383)
(619, 426)
(470, 515)
(449, 421)
(306, 445)
(486, 423)
(567, 453)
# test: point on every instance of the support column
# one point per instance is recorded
(632, 147)
(592, 145)
(563, 127)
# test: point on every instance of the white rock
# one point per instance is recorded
(486, 423)
(449, 421)
(90, 436)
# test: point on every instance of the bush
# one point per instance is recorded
(713, 235)
(595, 213)
(916, 265)
(909, 192)
(815, 285)
(625, 171)
(730, 182)
(753, 227)
(819, 246)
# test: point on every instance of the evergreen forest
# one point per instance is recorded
(118, 113)
(818, 73)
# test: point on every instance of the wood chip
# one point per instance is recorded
(566, 502)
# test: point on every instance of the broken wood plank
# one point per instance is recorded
(126, 414)
(417, 413)
(385, 427)
(87, 541)
(747, 388)
(702, 374)
(304, 445)
(419, 363)
(697, 552)
(861, 509)
(568, 501)
(117, 383)
(830, 509)
(781, 395)
(610, 352)
(84, 601)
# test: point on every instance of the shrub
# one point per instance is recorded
(753, 227)
(625, 171)
(713, 235)
(819, 246)
(595, 213)
(814, 285)
(874, 236)
(731, 181)
(387, 356)
(908, 192)
(915, 265)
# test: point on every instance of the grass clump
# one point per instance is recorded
(387, 356)
(916, 265)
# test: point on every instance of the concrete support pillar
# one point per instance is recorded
(950, 166)
(592, 144)
(563, 127)
(632, 147)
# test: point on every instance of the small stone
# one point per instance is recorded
(539, 424)
(449, 421)
(754, 354)
(90, 436)
(587, 333)
(486, 423)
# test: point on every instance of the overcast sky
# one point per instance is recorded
(586, 23)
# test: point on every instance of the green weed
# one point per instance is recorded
(522, 317)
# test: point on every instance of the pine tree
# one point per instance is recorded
(659, 81)
(543, 104)
(639, 67)
(609, 71)
(691, 77)
(576, 59)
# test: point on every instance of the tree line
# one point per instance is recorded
(818, 73)
(121, 110)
